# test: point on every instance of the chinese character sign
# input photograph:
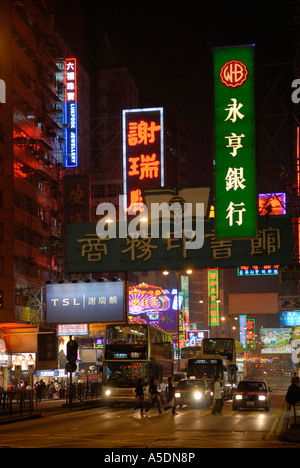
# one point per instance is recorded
(234, 145)
(85, 302)
(251, 345)
(76, 198)
(143, 153)
(71, 159)
(213, 297)
(243, 329)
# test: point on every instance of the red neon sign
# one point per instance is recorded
(70, 80)
(142, 153)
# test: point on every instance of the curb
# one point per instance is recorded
(20, 418)
(293, 430)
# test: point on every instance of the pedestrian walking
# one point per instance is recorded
(295, 379)
(218, 399)
(171, 396)
(139, 395)
(154, 396)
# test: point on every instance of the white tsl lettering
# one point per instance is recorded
(66, 302)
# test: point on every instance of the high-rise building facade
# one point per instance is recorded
(33, 153)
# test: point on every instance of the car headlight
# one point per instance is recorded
(261, 397)
(107, 392)
(238, 397)
(197, 395)
(177, 394)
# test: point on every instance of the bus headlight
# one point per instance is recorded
(107, 392)
(197, 395)
(177, 394)
(238, 397)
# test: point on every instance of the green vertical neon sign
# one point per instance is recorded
(234, 142)
(213, 297)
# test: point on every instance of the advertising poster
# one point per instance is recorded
(296, 345)
(276, 340)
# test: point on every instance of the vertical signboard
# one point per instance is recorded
(243, 328)
(71, 153)
(213, 297)
(251, 344)
(234, 142)
(143, 153)
(76, 190)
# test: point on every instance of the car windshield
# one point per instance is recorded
(191, 384)
(251, 386)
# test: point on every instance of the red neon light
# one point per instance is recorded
(142, 133)
(146, 167)
(71, 80)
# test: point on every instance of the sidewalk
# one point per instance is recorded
(293, 431)
(47, 407)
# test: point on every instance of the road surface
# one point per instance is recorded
(122, 428)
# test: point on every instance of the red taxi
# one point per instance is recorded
(251, 394)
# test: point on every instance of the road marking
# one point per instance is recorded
(277, 424)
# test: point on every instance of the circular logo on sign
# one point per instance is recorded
(233, 74)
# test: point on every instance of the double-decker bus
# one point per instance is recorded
(220, 356)
(186, 353)
(133, 352)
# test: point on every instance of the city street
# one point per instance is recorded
(121, 427)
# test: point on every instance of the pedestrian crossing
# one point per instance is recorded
(247, 414)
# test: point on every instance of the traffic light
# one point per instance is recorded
(72, 347)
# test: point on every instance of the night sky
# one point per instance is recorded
(167, 47)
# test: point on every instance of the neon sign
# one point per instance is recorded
(272, 203)
(149, 304)
(255, 270)
(243, 328)
(71, 154)
(143, 154)
(251, 345)
(235, 192)
(213, 297)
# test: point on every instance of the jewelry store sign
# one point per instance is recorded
(85, 302)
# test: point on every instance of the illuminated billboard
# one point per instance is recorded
(289, 318)
(85, 302)
(276, 340)
(71, 151)
(153, 305)
(143, 153)
(234, 142)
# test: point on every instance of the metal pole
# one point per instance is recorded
(178, 320)
(70, 382)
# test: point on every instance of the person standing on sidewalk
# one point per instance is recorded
(218, 399)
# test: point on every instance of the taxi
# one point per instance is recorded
(251, 394)
(193, 392)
